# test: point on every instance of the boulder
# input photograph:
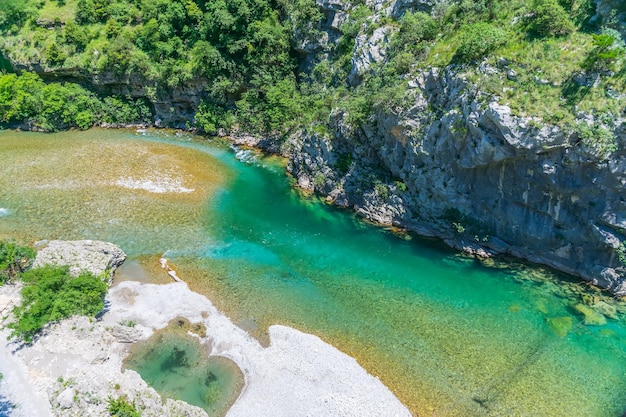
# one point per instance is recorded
(95, 257)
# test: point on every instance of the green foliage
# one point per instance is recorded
(210, 118)
(14, 260)
(478, 41)
(381, 189)
(606, 52)
(120, 407)
(56, 106)
(76, 35)
(597, 138)
(416, 27)
(120, 111)
(14, 13)
(621, 253)
(92, 11)
(270, 109)
(549, 18)
(50, 294)
(54, 55)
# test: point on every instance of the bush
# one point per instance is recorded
(417, 27)
(14, 260)
(548, 18)
(50, 294)
(478, 41)
(120, 407)
(606, 52)
(598, 139)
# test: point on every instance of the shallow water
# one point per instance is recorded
(448, 335)
(178, 367)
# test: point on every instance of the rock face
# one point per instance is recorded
(98, 258)
(607, 10)
(459, 166)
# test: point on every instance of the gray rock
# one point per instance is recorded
(126, 334)
(368, 51)
(98, 258)
(475, 172)
(65, 400)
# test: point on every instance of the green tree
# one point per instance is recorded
(14, 13)
(75, 34)
(548, 18)
(478, 41)
(55, 55)
(92, 11)
(605, 54)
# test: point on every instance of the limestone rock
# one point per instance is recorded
(65, 400)
(98, 258)
(466, 162)
(126, 334)
(368, 50)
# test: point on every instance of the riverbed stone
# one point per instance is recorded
(590, 317)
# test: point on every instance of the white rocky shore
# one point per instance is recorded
(76, 365)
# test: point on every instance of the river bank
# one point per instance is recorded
(438, 329)
(76, 365)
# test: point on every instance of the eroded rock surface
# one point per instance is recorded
(98, 258)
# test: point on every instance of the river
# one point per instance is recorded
(450, 336)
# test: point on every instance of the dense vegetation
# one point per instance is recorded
(553, 60)
(240, 49)
(56, 106)
(50, 295)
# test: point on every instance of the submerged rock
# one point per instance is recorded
(561, 325)
(590, 317)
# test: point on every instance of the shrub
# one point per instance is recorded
(210, 118)
(549, 18)
(416, 27)
(597, 138)
(120, 407)
(478, 41)
(606, 52)
(50, 294)
(14, 260)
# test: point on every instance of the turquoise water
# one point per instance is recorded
(177, 367)
(450, 336)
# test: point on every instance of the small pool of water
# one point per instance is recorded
(177, 366)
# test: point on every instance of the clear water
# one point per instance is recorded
(177, 367)
(448, 335)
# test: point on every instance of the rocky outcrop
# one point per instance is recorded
(461, 166)
(612, 12)
(98, 258)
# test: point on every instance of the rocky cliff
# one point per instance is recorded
(457, 164)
